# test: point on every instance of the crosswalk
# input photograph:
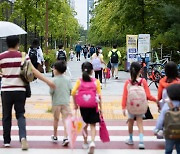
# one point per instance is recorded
(39, 136)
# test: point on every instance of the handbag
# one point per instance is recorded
(148, 114)
(103, 132)
(26, 74)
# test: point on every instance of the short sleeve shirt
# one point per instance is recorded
(10, 64)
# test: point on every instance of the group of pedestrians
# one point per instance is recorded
(86, 89)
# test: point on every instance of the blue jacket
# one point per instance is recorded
(78, 48)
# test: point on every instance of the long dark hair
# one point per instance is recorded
(171, 71)
(86, 71)
(134, 71)
(97, 50)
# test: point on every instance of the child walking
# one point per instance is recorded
(71, 54)
(60, 99)
(135, 80)
(89, 115)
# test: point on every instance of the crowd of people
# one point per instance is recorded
(86, 89)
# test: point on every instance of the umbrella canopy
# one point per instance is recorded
(9, 28)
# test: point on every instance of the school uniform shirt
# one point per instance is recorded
(10, 64)
(77, 85)
(61, 95)
(146, 88)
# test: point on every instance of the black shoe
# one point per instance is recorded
(65, 142)
(54, 139)
(116, 78)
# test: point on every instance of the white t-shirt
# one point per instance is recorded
(40, 57)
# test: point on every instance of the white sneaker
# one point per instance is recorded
(24, 144)
(129, 142)
(85, 145)
(65, 142)
(160, 134)
(54, 139)
(7, 145)
(91, 148)
(141, 145)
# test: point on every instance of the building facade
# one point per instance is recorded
(90, 7)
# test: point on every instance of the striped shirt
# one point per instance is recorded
(10, 64)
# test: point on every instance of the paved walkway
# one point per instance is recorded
(39, 105)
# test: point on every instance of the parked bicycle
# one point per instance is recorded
(151, 71)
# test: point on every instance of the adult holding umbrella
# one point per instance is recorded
(13, 92)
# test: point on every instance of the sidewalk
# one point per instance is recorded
(60, 151)
(39, 104)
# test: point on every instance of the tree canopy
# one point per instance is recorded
(113, 20)
(62, 25)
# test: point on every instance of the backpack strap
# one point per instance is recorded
(140, 83)
(23, 54)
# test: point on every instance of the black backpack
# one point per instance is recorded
(114, 57)
(33, 56)
(85, 49)
(61, 55)
(92, 50)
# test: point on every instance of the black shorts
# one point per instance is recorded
(90, 115)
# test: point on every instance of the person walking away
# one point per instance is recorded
(35, 54)
(85, 51)
(92, 50)
(78, 50)
(61, 53)
(61, 99)
(172, 121)
(13, 90)
(171, 77)
(97, 61)
(71, 54)
(83, 87)
(142, 94)
(114, 56)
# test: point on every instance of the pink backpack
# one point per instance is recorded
(87, 94)
(137, 99)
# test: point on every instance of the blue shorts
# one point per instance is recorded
(114, 65)
(132, 116)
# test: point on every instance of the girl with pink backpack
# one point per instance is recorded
(87, 96)
(135, 95)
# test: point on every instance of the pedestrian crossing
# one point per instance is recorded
(39, 136)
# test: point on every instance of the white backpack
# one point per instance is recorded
(96, 62)
(137, 99)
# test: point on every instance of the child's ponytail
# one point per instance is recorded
(87, 69)
(134, 71)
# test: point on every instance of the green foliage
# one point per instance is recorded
(114, 19)
(50, 57)
(62, 23)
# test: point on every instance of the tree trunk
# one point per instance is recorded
(26, 29)
(46, 27)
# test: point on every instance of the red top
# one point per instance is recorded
(146, 88)
(163, 84)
